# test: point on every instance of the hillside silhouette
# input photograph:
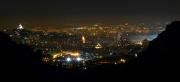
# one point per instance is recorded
(164, 49)
(20, 62)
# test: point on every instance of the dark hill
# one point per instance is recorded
(164, 49)
(19, 62)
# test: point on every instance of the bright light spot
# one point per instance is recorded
(136, 55)
(123, 60)
(72, 53)
(68, 59)
(83, 39)
(139, 43)
(20, 27)
(56, 55)
(75, 54)
(78, 59)
(98, 46)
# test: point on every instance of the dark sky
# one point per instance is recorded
(84, 11)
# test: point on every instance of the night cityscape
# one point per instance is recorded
(60, 41)
(80, 45)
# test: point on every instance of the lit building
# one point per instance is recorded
(83, 39)
(98, 46)
(122, 60)
(20, 27)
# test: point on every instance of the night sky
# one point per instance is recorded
(88, 11)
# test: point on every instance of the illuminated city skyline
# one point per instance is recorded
(74, 32)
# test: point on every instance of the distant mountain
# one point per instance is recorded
(164, 49)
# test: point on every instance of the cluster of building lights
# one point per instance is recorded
(139, 43)
(98, 46)
(122, 60)
(69, 56)
(83, 39)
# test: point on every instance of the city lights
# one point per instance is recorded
(122, 60)
(70, 45)
(72, 53)
(56, 55)
(136, 55)
(83, 39)
(20, 27)
(78, 59)
(98, 46)
(45, 59)
(68, 59)
(139, 43)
